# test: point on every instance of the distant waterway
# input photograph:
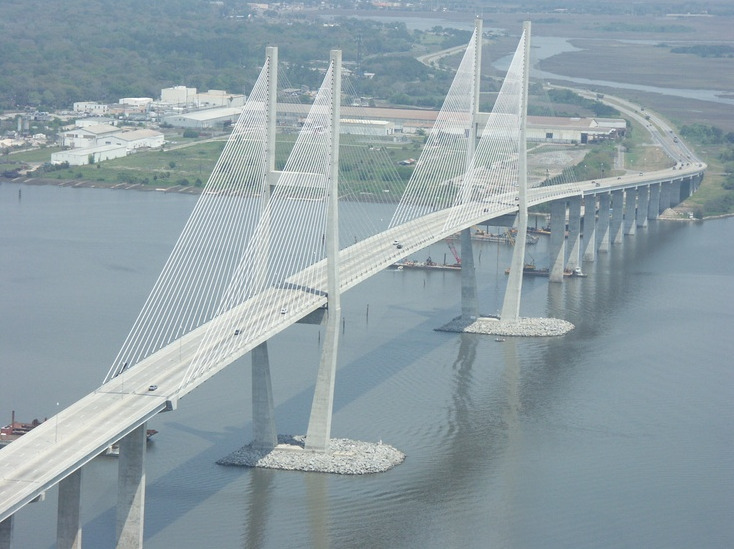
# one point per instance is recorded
(615, 435)
(545, 47)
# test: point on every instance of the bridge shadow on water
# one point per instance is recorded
(475, 437)
(354, 380)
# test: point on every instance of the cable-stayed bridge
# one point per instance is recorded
(236, 278)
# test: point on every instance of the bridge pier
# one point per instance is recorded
(675, 192)
(695, 182)
(686, 188)
(68, 526)
(131, 490)
(574, 233)
(469, 307)
(264, 433)
(603, 229)
(643, 200)
(615, 229)
(557, 251)
(665, 188)
(6, 532)
(589, 239)
(630, 207)
(653, 206)
(319, 424)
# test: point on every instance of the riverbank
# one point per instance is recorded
(678, 213)
(87, 184)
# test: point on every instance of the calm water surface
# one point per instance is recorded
(616, 435)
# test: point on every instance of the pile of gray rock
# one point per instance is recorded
(523, 327)
(344, 456)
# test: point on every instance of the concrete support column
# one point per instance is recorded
(68, 525)
(630, 209)
(511, 303)
(665, 195)
(469, 307)
(615, 229)
(264, 433)
(6, 532)
(557, 247)
(653, 206)
(686, 188)
(574, 233)
(696, 183)
(589, 238)
(643, 195)
(602, 229)
(675, 187)
(319, 423)
(131, 490)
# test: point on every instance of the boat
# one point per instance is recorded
(539, 230)
(16, 429)
(499, 339)
(428, 265)
(529, 269)
(503, 238)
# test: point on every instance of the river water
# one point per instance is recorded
(615, 435)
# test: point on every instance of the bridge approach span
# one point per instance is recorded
(56, 448)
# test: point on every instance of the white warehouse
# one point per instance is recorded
(81, 157)
(351, 126)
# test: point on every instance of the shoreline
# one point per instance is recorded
(87, 184)
(673, 214)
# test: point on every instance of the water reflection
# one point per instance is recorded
(317, 499)
(258, 509)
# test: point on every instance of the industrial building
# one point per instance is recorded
(90, 155)
(86, 137)
(206, 119)
(574, 130)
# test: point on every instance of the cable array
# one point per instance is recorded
(441, 168)
(272, 282)
(491, 181)
(251, 257)
(205, 256)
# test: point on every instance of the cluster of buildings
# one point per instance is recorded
(95, 138)
(21, 137)
(90, 142)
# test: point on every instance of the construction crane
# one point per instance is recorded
(454, 252)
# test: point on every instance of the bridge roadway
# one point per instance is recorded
(50, 452)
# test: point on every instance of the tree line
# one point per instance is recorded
(102, 50)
